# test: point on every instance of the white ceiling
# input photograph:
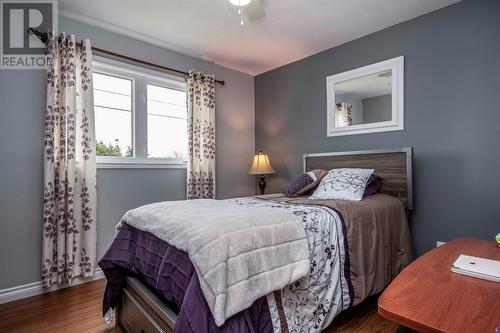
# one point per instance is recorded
(366, 86)
(209, 29)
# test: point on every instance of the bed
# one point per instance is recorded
(155, 287)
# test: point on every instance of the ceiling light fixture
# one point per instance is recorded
(240, 4)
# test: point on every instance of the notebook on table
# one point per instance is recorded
(482, 268)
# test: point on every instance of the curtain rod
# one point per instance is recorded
(43, 36)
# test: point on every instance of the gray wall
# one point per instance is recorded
(356, 106)
(22, 103)
(452, 118)
(376, 109)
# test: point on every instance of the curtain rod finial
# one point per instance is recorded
(43, 36)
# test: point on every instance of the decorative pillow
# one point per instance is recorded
(373, 185)
(304, 183)
(343, 184)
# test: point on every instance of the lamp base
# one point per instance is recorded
(262, 184)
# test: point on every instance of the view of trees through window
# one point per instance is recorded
(112, 149)
(113, 115)
(161, 114)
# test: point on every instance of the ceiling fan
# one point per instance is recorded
(251, 9)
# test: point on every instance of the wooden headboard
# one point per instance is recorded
(394, 166)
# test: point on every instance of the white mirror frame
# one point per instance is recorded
(396, 65)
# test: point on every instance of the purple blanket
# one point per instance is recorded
(170, 273)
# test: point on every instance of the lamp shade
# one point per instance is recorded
(261, 165)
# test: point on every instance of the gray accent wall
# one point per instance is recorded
(452, 118)
(377, 109)
(22, 107)
(356, 106)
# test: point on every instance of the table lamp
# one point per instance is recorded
(261, 166)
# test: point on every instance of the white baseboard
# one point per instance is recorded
(36, 288)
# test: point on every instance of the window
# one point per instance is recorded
(166, 114)
(113, 115)
(140, 117)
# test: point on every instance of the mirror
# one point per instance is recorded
(364, 100)
(367, 99)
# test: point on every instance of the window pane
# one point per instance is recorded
(113, 132)
(112, 84)
(165, 95)
(113, 115)
(167, 122)
(165, 109)
(112, 100)
(167, 137)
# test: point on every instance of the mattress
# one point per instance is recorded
(378, 236)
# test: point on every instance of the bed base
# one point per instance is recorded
(141, 311)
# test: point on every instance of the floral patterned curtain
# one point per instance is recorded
(344, 115)
(69, 210)
(201, 132)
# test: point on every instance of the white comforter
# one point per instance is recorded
(242, 249)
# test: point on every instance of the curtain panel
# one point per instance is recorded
(201, 136)
(344, 115)
(69, 210)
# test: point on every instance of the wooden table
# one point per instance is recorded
(427, 297)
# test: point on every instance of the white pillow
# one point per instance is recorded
(343, 184)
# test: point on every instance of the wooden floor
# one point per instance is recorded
(78, 309)
(362, 318)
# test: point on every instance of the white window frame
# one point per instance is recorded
(140, 78)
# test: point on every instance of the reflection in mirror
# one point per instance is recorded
(363, 100)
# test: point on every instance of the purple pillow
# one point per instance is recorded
(304, 183)
(373, 185)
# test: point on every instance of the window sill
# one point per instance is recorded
(141, 164)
